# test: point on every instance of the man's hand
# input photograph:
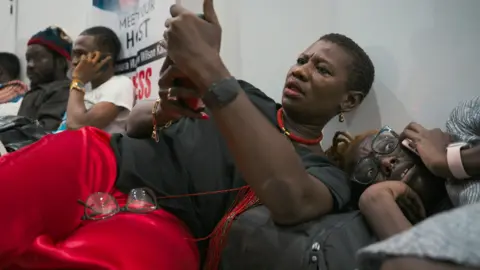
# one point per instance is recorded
(193, 45)
(431, 146)
(90, 67)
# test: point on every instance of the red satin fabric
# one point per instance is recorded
(41, 227)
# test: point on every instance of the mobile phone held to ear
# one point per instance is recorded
(106, 65)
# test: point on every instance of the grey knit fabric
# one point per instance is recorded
(452, 236)
(464, 121)
(464, 125)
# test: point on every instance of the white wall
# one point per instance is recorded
(36, 15)
(425, 51)
(230, 18)
(8, 25)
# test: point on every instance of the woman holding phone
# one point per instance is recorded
(153, 203)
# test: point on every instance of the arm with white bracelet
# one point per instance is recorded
(454, 159)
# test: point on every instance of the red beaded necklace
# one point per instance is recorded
(292, 136)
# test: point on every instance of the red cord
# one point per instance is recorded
(244, 201)
(292, 136)
(121, 200)
(202, 193)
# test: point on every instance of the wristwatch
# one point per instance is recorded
(454, 160)
(221, 93)
(78, 86)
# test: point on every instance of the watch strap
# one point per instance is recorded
(454, 160)
(77, 86)
(221, 93)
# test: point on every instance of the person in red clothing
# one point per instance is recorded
(248, 140)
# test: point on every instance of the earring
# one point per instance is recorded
(341, 117)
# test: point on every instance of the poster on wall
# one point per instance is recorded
(139, 26)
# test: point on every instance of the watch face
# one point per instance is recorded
(222, 93)
(77, 85)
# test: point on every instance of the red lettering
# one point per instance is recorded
(142, 83)
(141, 78)
(148, 75)
(138, 92)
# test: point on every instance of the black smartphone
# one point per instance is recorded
(407, 143)
(190, 103)
(106, 65)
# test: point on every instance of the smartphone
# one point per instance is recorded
(194, 104)
(105, 66)
(407, 143)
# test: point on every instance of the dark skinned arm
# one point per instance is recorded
(99, 116)
(139, 122)
(383, 214)
(471, 160)
(409, 263)
(266, 158)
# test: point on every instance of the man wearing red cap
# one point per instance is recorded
(48, 55)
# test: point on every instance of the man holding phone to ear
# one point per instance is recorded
(108, 102)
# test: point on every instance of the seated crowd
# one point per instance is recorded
(103, 99)
(241, 182)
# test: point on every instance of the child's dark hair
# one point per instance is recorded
(11, 65)
(106, 39)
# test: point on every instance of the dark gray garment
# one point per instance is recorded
(450, 236)
(329, 243)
